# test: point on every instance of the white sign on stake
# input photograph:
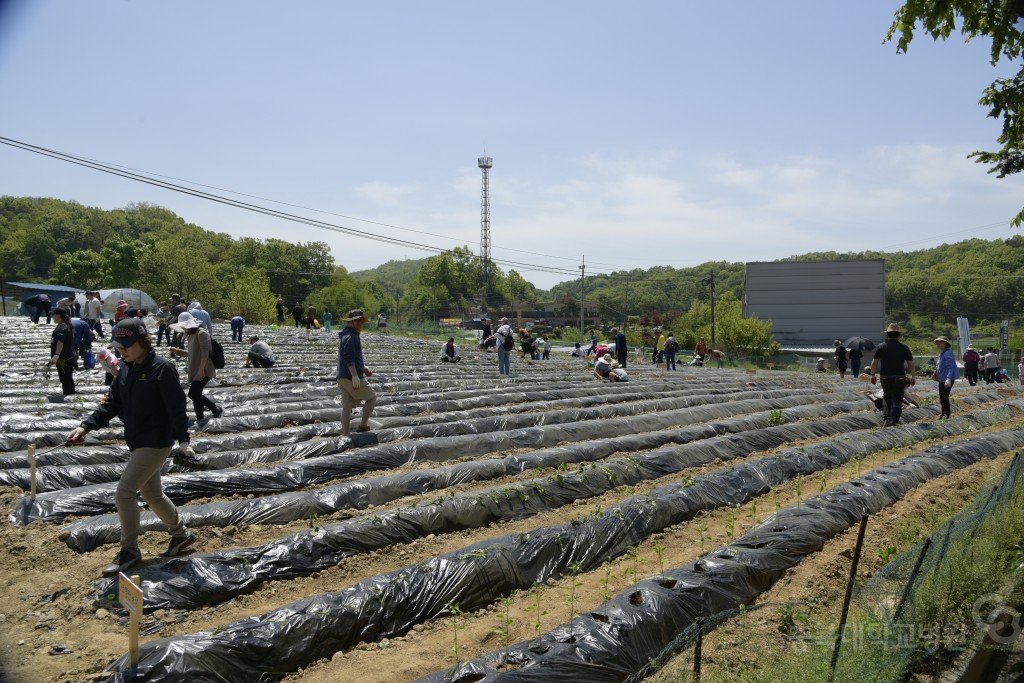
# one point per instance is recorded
(130, 596)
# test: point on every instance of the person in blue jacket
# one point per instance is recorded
(83, 334)
(946, 373)
(148, 397)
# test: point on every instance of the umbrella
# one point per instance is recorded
(859, 344)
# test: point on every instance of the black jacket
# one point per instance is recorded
(148, 398)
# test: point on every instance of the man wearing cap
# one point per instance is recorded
(62, 350)
(501, 336)
(450, 352)
(148, 398)
(946, 373)
(352, 373)
(971, 358)
(888, 363)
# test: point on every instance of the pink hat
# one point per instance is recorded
(122, 304)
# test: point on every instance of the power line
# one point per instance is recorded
(155, 179)
(156, 182)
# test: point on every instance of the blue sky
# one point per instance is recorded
(636, 134)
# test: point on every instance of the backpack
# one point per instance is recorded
(672, 346)
(217, 354)
(509, 343)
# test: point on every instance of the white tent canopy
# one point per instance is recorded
(136, 298)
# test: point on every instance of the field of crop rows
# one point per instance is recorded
(546, 526)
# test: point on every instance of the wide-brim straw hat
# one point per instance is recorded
(356, 314)
(970, 347)
(186, 321)
(942, 338)
(894, 328)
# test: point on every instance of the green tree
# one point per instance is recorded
(123, 256)
(251, 297)
(85, 269)
(993, 19)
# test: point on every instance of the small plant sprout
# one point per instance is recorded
(824, 482)
(753, 511)
(797, 481)
(314, 522)
(504, 630)
(659, 550)
(634, 556)
(606, 593)
(455, 624)
(537, 591)
(703, 531)
(730, 524)
(570, 591)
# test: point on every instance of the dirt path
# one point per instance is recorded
(817, 584)
(428, 648)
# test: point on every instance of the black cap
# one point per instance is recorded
(62, 312)
(127, 332)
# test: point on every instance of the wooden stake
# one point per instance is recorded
(32, 472)
(849, 595)
(131, 598)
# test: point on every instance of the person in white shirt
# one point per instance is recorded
(93, 308)
(579, 351)
(504, 345)
(450, 352)
(545, 345)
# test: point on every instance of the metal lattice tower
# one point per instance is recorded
(485, 217)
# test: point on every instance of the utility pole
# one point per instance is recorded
(625, 307)
(583, 280)
(709, 281)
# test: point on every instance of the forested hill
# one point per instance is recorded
(50, 240)
(394, 275)
(982, 279)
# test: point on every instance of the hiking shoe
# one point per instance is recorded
(362, 428)
(218, 411)
(179, 543)
(125, 559)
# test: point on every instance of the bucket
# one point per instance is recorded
(89, 360)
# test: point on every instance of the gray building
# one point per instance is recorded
(813, 303)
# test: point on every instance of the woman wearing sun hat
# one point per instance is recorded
(147, 396)
(946, 372)
(200, 366)
(971, 358)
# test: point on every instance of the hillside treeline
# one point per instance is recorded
(151, 248)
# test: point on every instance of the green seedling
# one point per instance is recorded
(606, 594)
(703, 531)
(776, 418)
(659, 550)
(314, 522)
(537, 591)
(455, 623)
(570, 591)
(504, 630)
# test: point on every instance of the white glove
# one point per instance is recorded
(355, 382)
(78, 435)
(948, 383)
(54, 359)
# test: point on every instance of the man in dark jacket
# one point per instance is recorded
(148, 398)
(621, 351)
(888, 363)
